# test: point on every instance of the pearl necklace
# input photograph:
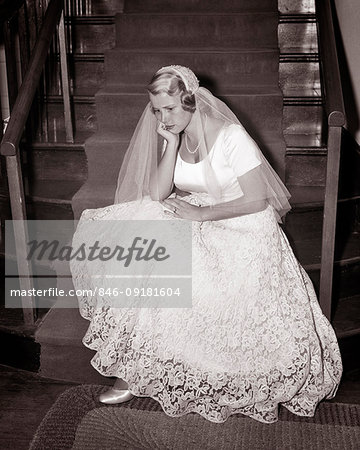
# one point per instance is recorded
(197, 147)
(187, 148)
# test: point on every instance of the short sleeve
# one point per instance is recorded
(240, 150)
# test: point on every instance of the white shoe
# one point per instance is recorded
(114, 396)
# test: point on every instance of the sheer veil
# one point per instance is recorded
(146, 149)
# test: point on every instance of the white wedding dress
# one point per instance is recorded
(255, 336)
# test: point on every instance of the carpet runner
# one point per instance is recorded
(78, 421)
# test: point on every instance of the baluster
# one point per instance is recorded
(65, 81)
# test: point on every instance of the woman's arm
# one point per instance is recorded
(162, 180)
(253, 200)
(231, 209)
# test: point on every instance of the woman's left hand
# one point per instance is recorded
(183, 210)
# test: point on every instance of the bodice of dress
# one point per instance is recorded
(232, 155)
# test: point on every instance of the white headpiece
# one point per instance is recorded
(187, 75)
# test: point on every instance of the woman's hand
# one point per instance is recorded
(166, 134)
(183, 210)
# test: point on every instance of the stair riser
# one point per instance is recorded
(88, 76)
(255, 30)
(213, 69)
(39, 210)
(84, 118)
(305, 170)
(299, 119)
(15, 351)
(174, 6)
(296, 76)
(296, 6)
(57, 165)
(345, 280)
(90, 37)
(302, 36)
(62, 362)
(302, 225)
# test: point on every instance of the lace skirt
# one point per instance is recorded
(254, 338)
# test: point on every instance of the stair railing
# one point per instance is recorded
(335, 114)
(10, 143)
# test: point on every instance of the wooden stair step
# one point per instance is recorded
(87, 73)
(305, 168)
(303, 118)
(92, 34)
(347, 317)
(60, 141)
(308, 251)
(300, 35)
(296, 6)
(84, 116)
(302, 94)
(307, 141)
(54, 191)
(56, 163)
(300, 78)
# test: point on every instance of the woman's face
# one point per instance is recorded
(169, 111)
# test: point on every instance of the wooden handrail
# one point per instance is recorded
(334, 102)
(335, 113)
(10, 142)
(20, 112)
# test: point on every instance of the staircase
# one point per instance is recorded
(234, 51)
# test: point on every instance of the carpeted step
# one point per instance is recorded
(118, 110)
(214, 67)
(78, 420)
(63, 356)
(93, 194)
(175, 6)
(197, 30)
(104, 153)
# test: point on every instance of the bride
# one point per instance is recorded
(255, 337)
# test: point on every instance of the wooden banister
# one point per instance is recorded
(335, 113)
(10, 142)
(334, 102)
(20, 112)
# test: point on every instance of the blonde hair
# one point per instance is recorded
(172, 84)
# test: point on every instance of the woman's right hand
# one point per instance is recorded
(171, 138)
